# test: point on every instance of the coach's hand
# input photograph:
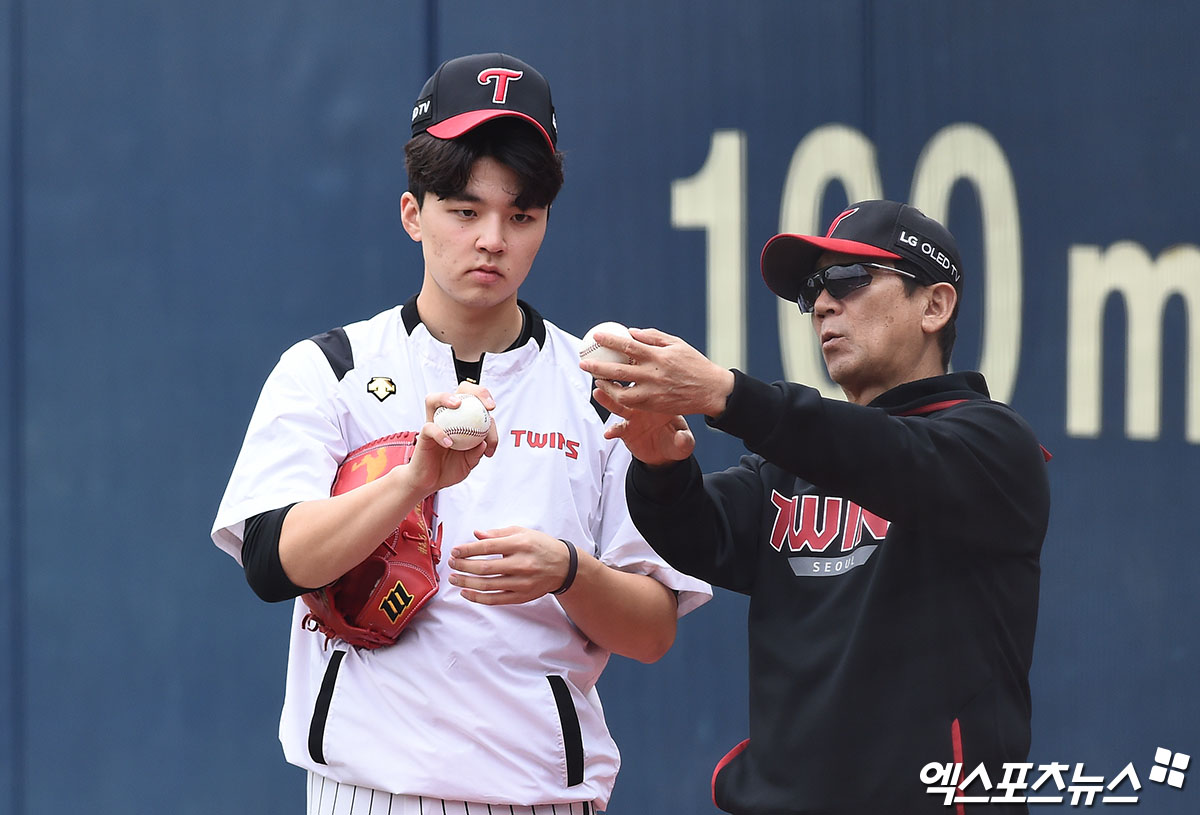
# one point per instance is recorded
(655, 439)
(667, 376)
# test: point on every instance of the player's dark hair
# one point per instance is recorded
(443, 166)
(949, 332)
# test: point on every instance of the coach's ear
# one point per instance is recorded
(410, 216)
(941, 298)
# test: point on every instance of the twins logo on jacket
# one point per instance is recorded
(832, 529)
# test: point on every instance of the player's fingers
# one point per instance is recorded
(473, 565)
(498, 598)
(491, 440)
(476, 454)
(476, 581)
(500, 532)
(479, 391)
(434, 401)
(488, 582)
(488, 542)
(434, 435)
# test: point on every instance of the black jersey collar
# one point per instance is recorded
(922, 393)
(534, 327)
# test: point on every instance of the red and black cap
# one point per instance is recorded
(468, 91)
(882, 230)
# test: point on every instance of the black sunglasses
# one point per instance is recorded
(838, 281)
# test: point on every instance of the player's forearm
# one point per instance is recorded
(322, 540)
(629, 614)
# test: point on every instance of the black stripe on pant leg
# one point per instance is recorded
(316, 730)
(572, 736)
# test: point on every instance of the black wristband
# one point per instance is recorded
(572, 568)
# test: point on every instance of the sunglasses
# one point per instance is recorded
(839, 281)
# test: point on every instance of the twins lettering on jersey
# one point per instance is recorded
(553, 441)
(815, 524)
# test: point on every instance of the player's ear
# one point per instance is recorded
(410, 216)
(941, 298)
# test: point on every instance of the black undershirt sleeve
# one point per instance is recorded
(260, 557)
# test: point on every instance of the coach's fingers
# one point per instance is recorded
(654, 439)
(683, 439)
(612, 396)
(652, 336)
(605, 401)
(612, 371)
(638, 352)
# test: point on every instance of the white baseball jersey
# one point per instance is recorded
(493, 704)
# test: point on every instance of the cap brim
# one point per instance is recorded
(788, 259)
(455, 126)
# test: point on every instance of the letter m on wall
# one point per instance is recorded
(1145, 286)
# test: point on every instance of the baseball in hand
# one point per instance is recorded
(590, 349)
(467, 424)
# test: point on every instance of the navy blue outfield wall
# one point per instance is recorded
(188, 189)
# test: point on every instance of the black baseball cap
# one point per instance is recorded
(884, 230)
(468, 91)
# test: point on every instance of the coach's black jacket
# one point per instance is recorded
(890, 553)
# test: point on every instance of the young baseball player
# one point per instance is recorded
(487, 700)
(889, 544)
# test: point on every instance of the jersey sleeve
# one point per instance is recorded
(704, 525)
(622, 546)
(292, 448)
(973, 470)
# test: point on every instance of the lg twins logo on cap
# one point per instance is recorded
(502, 76)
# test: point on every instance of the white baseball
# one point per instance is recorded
(590, 349)
(467, 424)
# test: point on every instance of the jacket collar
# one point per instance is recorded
(921, 395)
(534, 328)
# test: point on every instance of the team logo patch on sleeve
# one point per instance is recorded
(381, 386)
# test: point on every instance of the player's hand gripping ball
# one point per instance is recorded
(590, 349)
(467, 424)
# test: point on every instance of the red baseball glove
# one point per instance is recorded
(372, 603)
